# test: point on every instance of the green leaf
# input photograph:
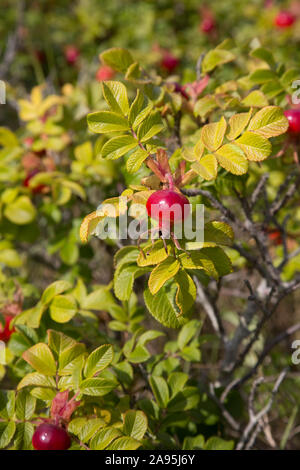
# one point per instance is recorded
(135, 424)
(177, 381)
(269, 122)
(98, 360)
(206, 167)
(124, 279)
(117, 58)
(138, 355)
(163, 307)
(256, 147)
(41, 359)
(216, 57)
(154, 255)
(118, 146)
(7, 404)
(115, 94)
(136, 107)
(255, 99)
(104, 437)
(212, 135)
(25, 405)
(237, 124)
(97, 386)
(100, 299)
(56, 288)
(160, 390)
(63, 308)
(89, 428)
(36, 379)
(187, 332)
(151, 126)
(216, 443)
(232, 158)
(186, 292)
(218, 232)
(162, 273)
(23, 436)
(21, 211)
(205, 106)
(71, 359)
(143, 114)
(262, 75)
(124, 443)
(103, 122)
(263, 54)
(7, 431)
(136, 160)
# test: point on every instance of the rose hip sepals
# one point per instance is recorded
(62, 408)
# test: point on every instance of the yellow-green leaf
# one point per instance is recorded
(162, 273)
(269, 122)
(103, 122)
(255, 146)
(63, 308)
(256, 99)
(212, 135)
(41, 359)
(232, 158)
(215, 58)
(115, 94)
(118, 146)
(206, 167)
(89, 225)
(136, 159)
(237, 124)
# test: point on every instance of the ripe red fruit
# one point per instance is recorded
(37, 189)
(275, 237)
(105, 72)
(284, 19)
(50, 437)
(293, 116)
(169, 62)
(208, 25)
(71, 54)
(167, 206)
(5, 331)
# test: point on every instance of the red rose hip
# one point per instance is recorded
(167, 207)
(104, 73)
(208, 25)
(169, 62)
(71, 54)
(293, 116)
(284, 19)
(5, 330)
(50, 437)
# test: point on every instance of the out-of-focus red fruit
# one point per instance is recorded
(28, 141)
(5, 331)
(179, 89)
(169, 62)
(284, 19)
(105, 72)
(167, 207)
(50, 437)
(37, 189)
(293, 116)
(208, 25)
(40, 55)
(71, 54)
(275, 237)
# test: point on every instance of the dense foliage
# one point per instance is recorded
(170, 343)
